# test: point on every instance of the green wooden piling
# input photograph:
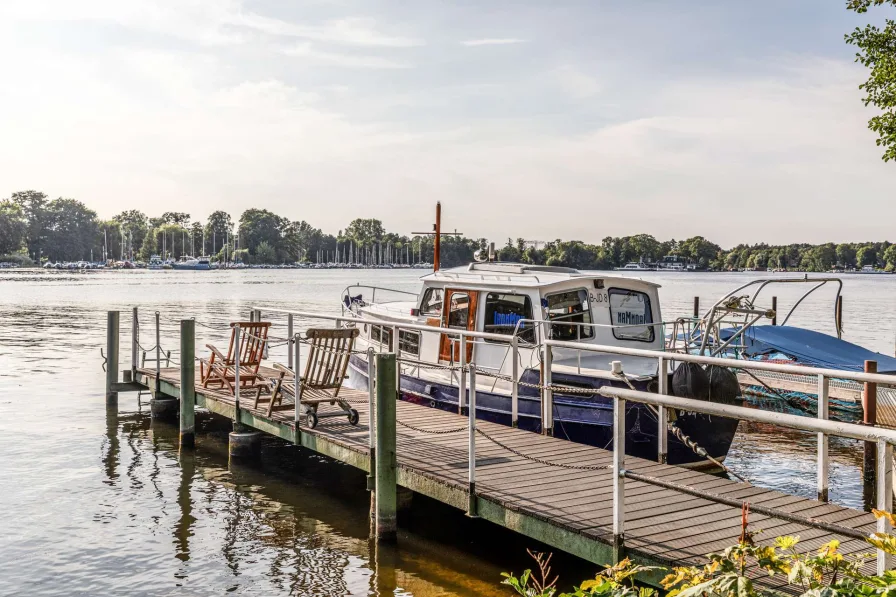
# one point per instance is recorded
(187, 383)
(386, 462)
(112, 320)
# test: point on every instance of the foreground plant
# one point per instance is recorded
(825, 572)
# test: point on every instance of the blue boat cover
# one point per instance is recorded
(811, 348)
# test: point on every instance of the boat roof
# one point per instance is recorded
(519, 274)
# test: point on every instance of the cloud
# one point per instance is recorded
(576, 83)
(312, 55)
(354, 31)
(492, 41)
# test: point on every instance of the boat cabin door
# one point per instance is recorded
(459, 314)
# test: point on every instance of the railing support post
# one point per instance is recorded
(297, 370)
(547, 396)
(396, 344)
(112, 321)
(386, 462)
(662, 434)
(237, 426)
(618, 480)
(823, 391)
(869, 409)
(187, 383)
(515, 388)
(884, 497)
(291, 335)
(775, 309)
(135, 342)
(462, 390)
(472, 509)
(371, 417)
(696, 307)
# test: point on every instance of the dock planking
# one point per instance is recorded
(568, 509)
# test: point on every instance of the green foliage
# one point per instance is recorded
(364, 231)
(34, 206)
(13, 227)
(617, 581)
(265, 253)
(877, 52)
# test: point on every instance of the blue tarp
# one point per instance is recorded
(811, 348)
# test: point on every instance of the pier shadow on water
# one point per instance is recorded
(297, 523)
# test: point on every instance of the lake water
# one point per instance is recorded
(101, 503)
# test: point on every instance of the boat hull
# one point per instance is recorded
(583, 419)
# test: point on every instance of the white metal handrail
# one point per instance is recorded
(885, 438)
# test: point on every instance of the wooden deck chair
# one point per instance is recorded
(218, 370)
(325, 368)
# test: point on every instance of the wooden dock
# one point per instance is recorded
(568, 509)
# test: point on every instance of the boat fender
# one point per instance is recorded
(723, 384)
(690, 381)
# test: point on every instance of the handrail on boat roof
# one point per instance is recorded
(763, 282)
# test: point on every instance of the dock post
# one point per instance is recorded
(775, 309)
(696, 307)
(515, 388)
(187, 383)
(291, 335)
(823, 402)
(547, 396)
(472, 510)
(112, 320)
(371, 419)
(662, 434)
(869, 410)
(241, 444)
(386, 461)
(135, 343)
(158, 383)
(884, 498)
(618, 480)
(396, 344)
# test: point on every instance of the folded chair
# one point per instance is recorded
(218, 370)
(325, 367)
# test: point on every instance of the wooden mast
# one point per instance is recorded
(438, 240)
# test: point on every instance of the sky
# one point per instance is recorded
(738, 121)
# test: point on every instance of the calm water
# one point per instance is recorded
(103, 504)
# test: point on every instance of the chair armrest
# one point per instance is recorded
(217, 352)
(283, 369)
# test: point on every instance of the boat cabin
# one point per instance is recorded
(531, 302)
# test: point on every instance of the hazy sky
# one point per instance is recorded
(740, 121)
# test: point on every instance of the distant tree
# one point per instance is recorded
(265, 253)
(34, 205)
(866, 256)
(890, 257)
(13, 227)
(73, 229)
(846, 255)
(219, 225)
(365, 231)
(176, 217)
(260, 225)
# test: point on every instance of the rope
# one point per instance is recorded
(433, 431)
(578, 467)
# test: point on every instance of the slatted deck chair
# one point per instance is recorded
(325, 368)
(218, 370)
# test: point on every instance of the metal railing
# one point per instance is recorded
(884, 438)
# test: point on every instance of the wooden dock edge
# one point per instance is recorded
(591, 549)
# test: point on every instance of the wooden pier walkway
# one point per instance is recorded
(568, 509)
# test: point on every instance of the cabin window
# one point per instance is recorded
(459, 311)
(409, 342)
(432, 302)
(569, 309)
(380, 334)
(631, 315)
(504, 314)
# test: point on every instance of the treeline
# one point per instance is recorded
(35, 228)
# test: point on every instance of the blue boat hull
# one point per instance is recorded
(584, 419)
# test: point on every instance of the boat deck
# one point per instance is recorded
(569, 509)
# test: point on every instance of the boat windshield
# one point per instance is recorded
(505, 312)
(571, 307)
(432, 302)
(630, 309)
